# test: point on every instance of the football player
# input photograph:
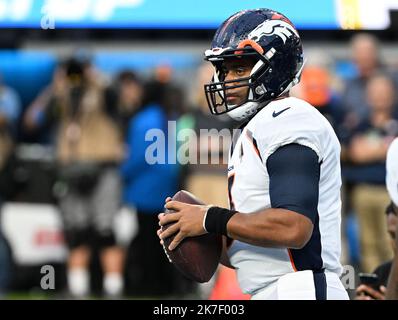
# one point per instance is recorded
(392, 187)
(283, 224)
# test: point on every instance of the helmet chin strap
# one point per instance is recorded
(244, 111)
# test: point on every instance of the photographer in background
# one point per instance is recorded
(82, 116)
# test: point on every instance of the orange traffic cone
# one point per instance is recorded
(226, 286)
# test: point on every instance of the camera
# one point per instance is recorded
(75, 70)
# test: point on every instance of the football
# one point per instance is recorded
(195, 257)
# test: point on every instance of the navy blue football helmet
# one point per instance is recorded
(273, 41)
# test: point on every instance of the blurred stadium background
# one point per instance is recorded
(160, 44)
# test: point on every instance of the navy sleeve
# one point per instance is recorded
(294, 173)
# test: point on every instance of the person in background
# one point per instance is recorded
(366, 58)
(378, 290)
(147, 182)
(368, 62)
(129, 94)
(364, 153)
(89, 149)
(36, 118)
(10, 110)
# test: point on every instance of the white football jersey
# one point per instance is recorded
(392, 171)
(282, 122)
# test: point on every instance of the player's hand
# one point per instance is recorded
(365, 292)
(187, 219)
(160, 230)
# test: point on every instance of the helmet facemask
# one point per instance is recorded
(216, 91)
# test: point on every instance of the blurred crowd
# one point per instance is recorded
(98, 129)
